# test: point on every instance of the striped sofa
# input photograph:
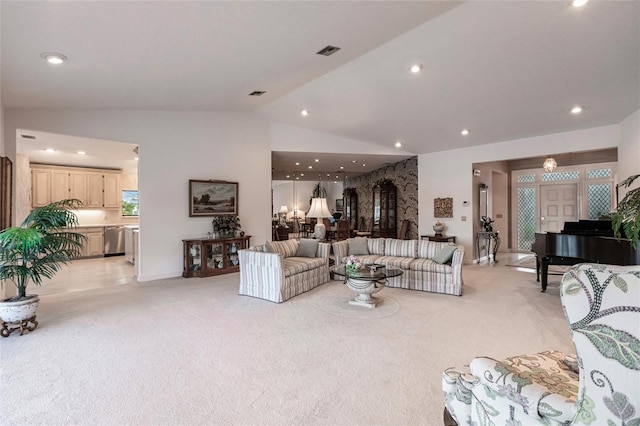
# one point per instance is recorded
(279, 275)
(415, 258)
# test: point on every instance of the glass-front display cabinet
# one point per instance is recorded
(351, 207)
(204, 257)
(385, 211)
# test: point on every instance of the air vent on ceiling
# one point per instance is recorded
(257, 93)
(328, 51)
(28, 136)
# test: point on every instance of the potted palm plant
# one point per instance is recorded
(35, 250)
(626, 218)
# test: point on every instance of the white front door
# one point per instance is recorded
(558, 204)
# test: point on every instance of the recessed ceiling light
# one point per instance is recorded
(297, 164)
(301, 174)
(578, 3)
(576, 109)
(287, 176)
(53, 58)
(398, 144)
(465, 132)
(416, 68)
(297, 178)
(304, 112)
(316, 160)
(50, 150)
(81, 153)
(341, 167)
(364, 165)
(353, 161)
(311, 167)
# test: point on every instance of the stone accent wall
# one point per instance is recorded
(405, 177)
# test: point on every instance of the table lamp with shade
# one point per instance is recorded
(283, 215)
(319, 210)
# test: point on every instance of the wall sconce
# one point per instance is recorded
(476, 172)
(549, 164)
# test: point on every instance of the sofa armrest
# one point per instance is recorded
(261, 268)
(340, 250)
(324, 250)
(456, 264)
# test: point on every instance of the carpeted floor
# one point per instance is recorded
(529, 262)
(192, 351)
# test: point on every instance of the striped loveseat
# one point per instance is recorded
(427, 265)
(277, 271)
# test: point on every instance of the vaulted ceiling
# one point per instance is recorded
(504, 70)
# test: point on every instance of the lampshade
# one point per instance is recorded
(319, 208)
(284, 209)
(549, 164)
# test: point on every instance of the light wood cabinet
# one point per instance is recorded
(48, 186)
(111, 186)
(78, 185)
(96, 188)
(40, 188)
(94, 244)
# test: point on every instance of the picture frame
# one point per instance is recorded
(6, 192)
(213, 198)
(443, 207)
(339, 204)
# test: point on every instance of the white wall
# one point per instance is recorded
(285, 137)
(629, 149)
(285, 191)
(450, 173)
(174, 147)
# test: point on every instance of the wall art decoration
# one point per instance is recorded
(213, 198)
(443, 207)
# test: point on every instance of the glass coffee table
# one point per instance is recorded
(367, 281)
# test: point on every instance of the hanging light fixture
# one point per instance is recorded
(549, 165)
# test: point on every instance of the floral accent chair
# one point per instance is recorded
(599, 387)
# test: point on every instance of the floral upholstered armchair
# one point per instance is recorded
(599, 387)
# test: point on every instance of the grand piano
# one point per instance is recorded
(583, 241)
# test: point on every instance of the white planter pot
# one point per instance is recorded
(18, 311)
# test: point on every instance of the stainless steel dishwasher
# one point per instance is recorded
(113, 240)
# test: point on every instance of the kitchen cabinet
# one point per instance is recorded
(48, 186)
(96, 188)
(78, 185)
(204, 257)
(94, 245)
(111, 188)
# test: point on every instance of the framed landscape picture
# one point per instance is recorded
(213, 198)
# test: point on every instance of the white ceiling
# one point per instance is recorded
(506, 70)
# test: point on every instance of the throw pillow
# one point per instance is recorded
(444, 255)
(357, 246)
(307, 248)
(267, 247)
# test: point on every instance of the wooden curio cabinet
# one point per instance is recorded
(351, 207)
(385, 210)
(204, 257)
